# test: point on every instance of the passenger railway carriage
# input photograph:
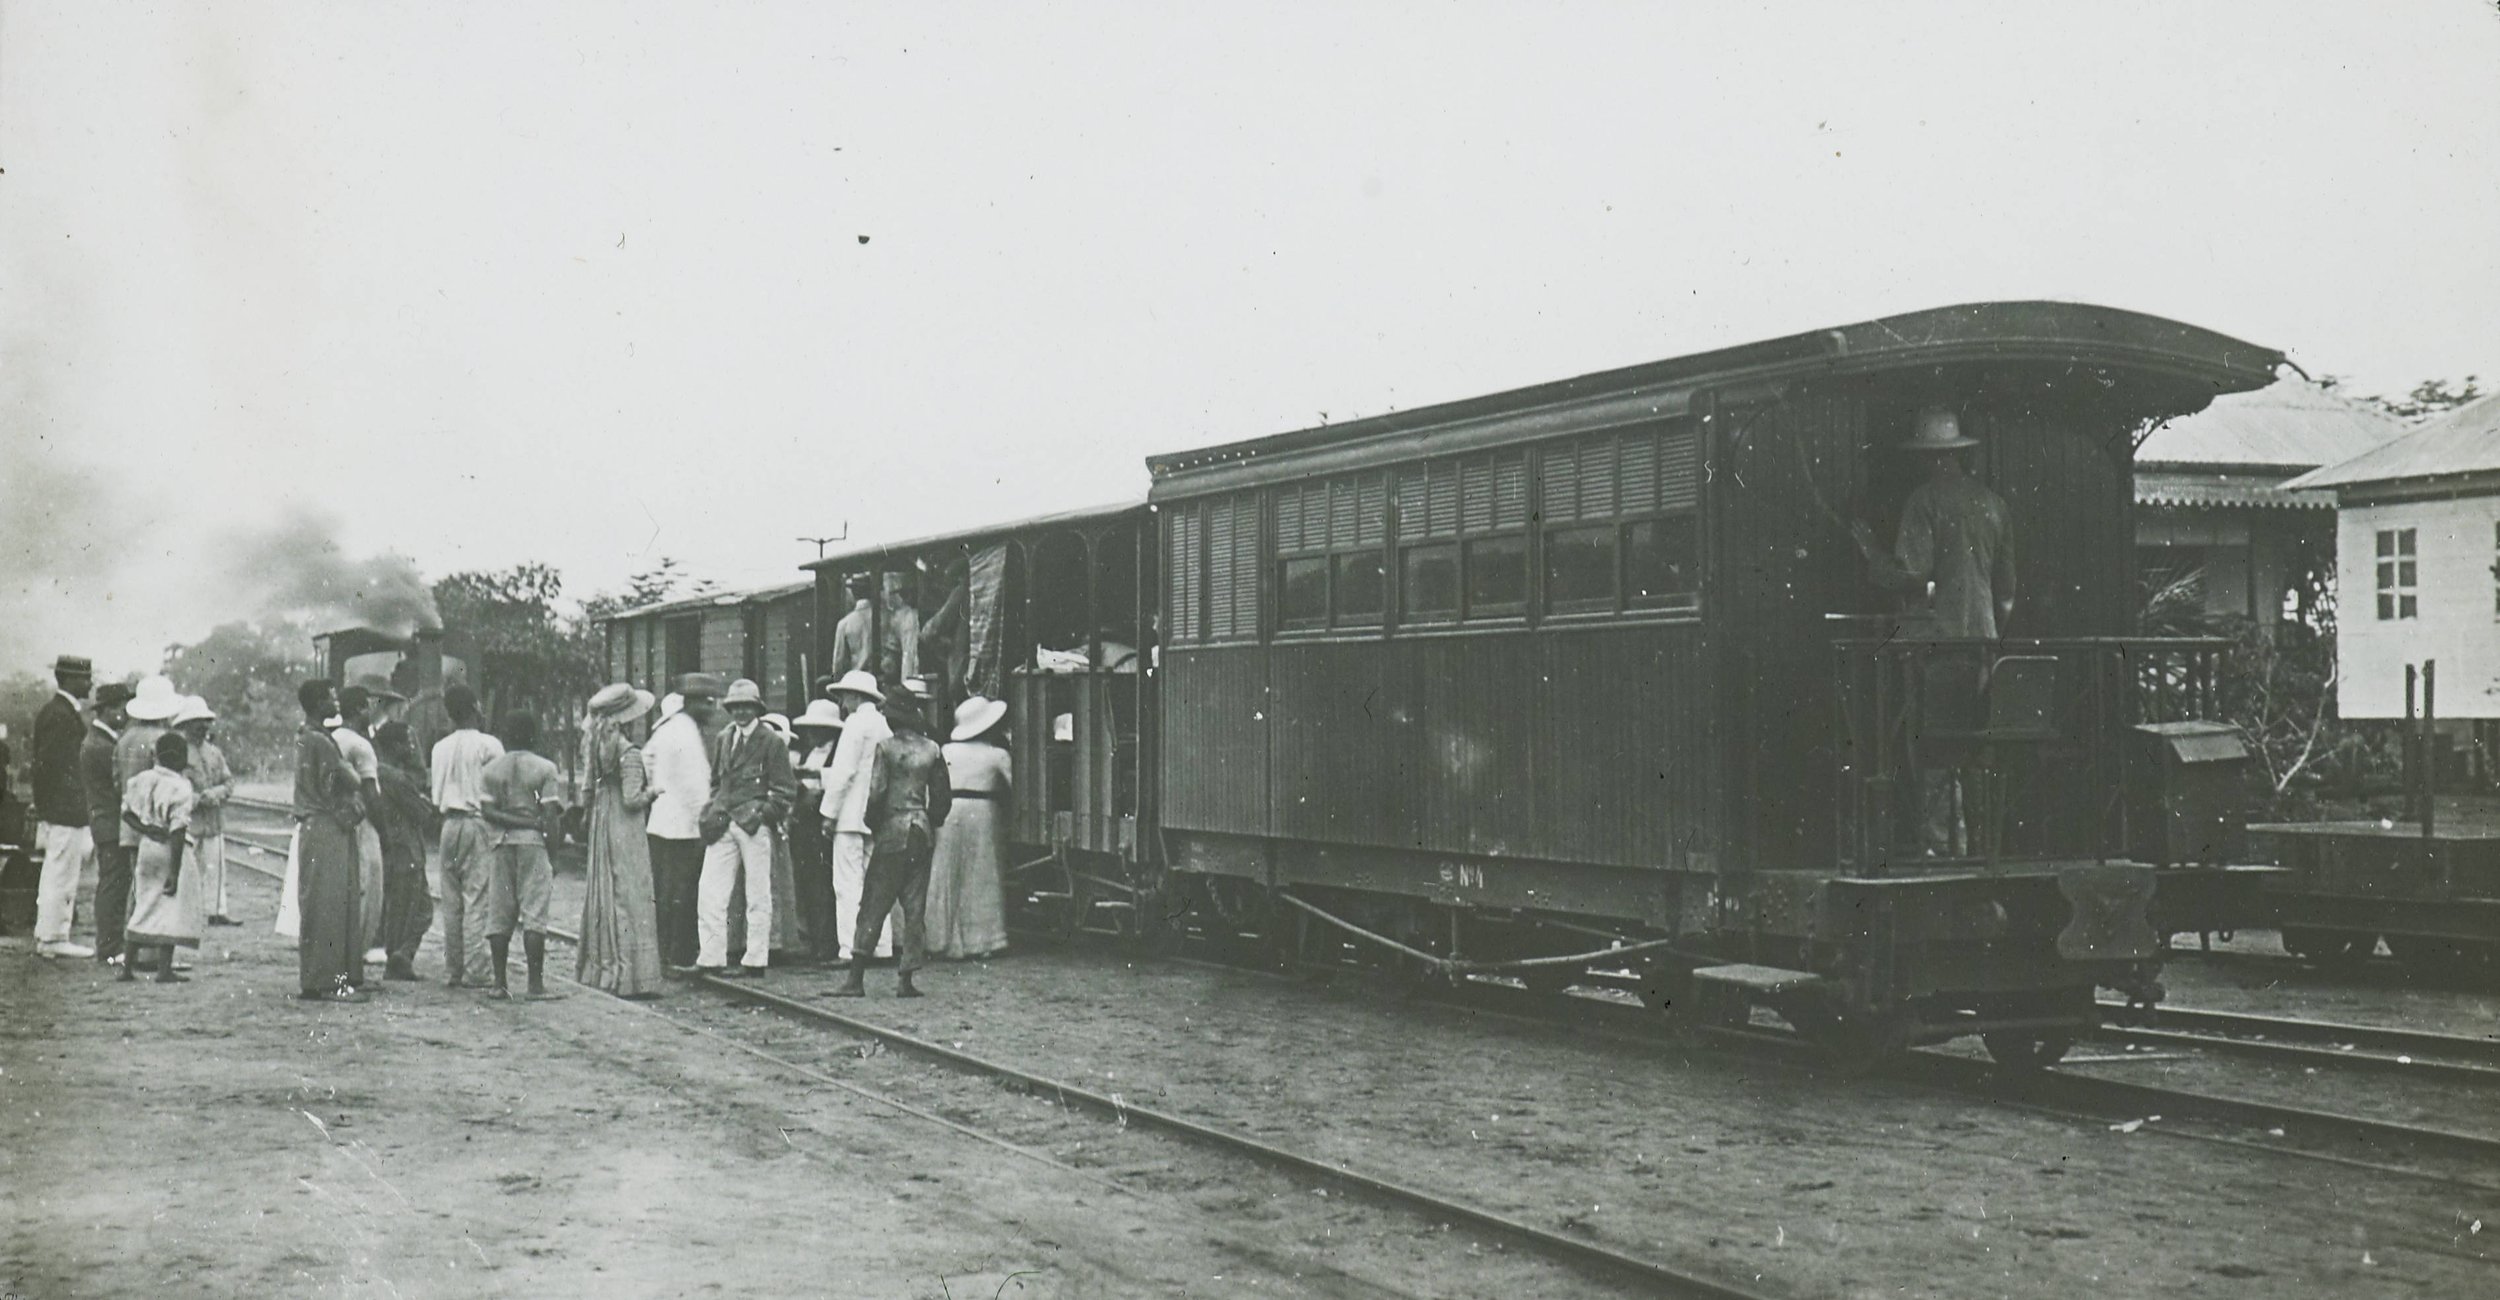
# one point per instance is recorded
(1587, 682)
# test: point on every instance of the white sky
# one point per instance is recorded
(584, 282)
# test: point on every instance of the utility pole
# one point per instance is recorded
(823, 542)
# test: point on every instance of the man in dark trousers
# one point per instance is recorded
(100, 783)
(908, 799)
(61, 807)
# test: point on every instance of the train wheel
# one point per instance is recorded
(2026, 1051)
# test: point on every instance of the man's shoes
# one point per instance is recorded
(396, 971)
(498, 993)
(223, 919)
(113, 960)
(904, 988)
(854, 987)
(63, 948)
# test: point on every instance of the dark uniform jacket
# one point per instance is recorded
(60, 796)
(101, 784)
(908, 783)
(752, 783)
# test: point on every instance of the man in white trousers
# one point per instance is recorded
(845, 805)
(61, 802)
(752, 789)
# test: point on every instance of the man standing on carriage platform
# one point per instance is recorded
(1953, 559)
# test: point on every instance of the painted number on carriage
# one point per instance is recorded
(1462, 876)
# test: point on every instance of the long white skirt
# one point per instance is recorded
(289, 923)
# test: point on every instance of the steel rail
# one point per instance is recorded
(1585, 1255)
(2296, 1029)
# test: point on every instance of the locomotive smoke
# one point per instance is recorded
(298, 567)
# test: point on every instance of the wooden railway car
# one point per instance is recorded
(1056, 616)
(1589, 677)
(764, 634)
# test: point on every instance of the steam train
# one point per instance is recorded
(1586, 682)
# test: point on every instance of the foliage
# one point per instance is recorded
(2428, 398)
(531, 657)
(2275, 684)
(21, 696)
(660, 582)
(248, 673)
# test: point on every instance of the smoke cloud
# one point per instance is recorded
(298, 568)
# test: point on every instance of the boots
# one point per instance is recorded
(904, 987)
(855, 984)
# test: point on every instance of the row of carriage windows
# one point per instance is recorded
(1607, 522)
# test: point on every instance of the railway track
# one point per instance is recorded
(1650, 1277)
(2292, 1130)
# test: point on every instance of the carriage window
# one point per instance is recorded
(1497, 575)
(1661, 565)
(1362, 588)
(1428, 588)
(1303, 588)
(2398, 594)
(1580, 568)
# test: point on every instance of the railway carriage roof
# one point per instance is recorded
(1079, 518)
(2103, 337)
(710, 599)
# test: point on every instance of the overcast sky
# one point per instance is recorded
(593, 283)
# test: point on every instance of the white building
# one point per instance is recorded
(2418, 565)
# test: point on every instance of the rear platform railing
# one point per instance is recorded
(1961, 754)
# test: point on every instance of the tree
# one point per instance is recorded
(531, 657)
(248, 672)
(649, 587)
(2428, 398)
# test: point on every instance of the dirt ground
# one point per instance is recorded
(222, 1138)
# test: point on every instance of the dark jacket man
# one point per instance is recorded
(751, 778)
(60, 797)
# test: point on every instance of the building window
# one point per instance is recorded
(2398, 593)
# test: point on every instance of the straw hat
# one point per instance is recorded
(1937, 428)
(976, 715)
(821, 712)
(620, 702)
(112, 695)
(778, 722)
(194, 709)
(704, 684)
(155, 700)
(742, 691)
(859, 681)
(73, 666)
(671, 705)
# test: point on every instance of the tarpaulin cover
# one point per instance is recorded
(989, 579)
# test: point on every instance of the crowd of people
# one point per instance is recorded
(725, 835)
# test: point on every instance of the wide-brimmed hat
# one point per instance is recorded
(976, 715)
(778, 722)
(743, 691)
(820, 713)
(112, 695)
(859, 681)
(707, 685)
(378, 687)
(1937, 428)
(671, 705)
(155, 699)
(916, 687)
(73, 666)
(194, 709)
(621, 702)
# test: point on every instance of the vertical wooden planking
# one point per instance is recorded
(1215, 725)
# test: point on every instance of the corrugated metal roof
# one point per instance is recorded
(2241, 491)
(2291, 423)
(744, 596)
(1059, 519)
(2464, 441)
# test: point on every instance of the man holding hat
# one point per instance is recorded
(212, 783)
(845, 803)
(1953, 559)
(752, 788)
(61, 805)
(679, 761)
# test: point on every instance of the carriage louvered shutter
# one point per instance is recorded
(1596, 486)
(1679, 468)
(1341, 512)
(1636, 478)
(1247, 564)
(1220, 576)
(1562, 481)
(1510, 490)
(1371, 509)
(1183, 579)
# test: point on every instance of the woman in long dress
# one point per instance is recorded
(967, 908)
(620, 947)
(165, 911)
(329, 948)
